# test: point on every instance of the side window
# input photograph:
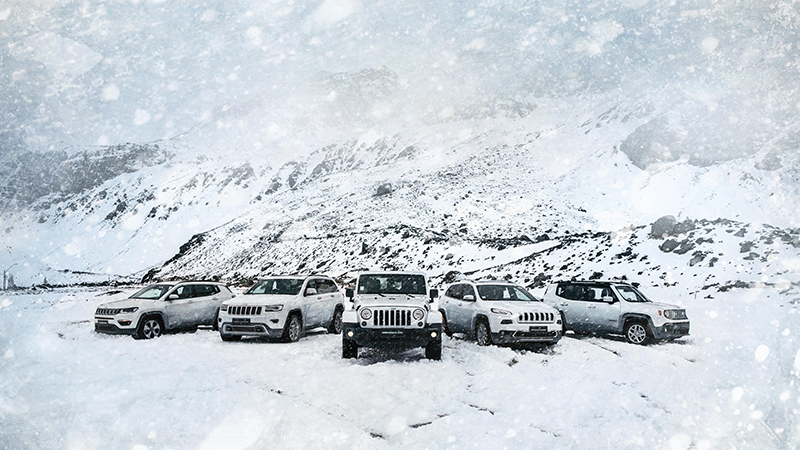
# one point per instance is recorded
(327, 287)
(570, 291)
(313, 284)
(468, 290)
(204, 290)
(183, 291)
(454, 291)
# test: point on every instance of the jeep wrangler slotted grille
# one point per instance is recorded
(391, 318)
(244, 310)
(536, 317)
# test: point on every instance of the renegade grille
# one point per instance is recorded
(536, 317)
(244, 310)
(391, 318)
(107, 311)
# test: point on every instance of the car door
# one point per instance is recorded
(180, 308)
(571, 304)
(601, 315)
(207, 300)
(330, 297)
(450, 304)
(314, 303)
(465, 309)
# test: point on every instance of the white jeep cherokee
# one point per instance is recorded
(498, 312)
(283, 307)
(163, 307)
(615, 308)
(391, 310)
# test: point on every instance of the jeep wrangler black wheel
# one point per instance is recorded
(637, 333)
(434, 350)
(292, 329)
(482, 333)
(349, 349)
(335, 326)
(149, 328)
(445, 328)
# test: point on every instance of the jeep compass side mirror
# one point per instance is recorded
(349, 293)
(608, 299)
(173, 297)
(434, 293)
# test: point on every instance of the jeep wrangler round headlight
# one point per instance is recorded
(675, 314)
(501, 311)
(366, 314)
(129, 310)
(418, 314)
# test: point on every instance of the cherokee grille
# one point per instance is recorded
(245, 310)
(107, 311)
(536, 317)
(391, 318)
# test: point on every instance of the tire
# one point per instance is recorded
(445, 328)
(229, 337)
(335, 326)
(563, 324)
(149, 328)
(637, 333)
(483, 334)
(215, 325)
(434, 350)
(349, 349)
(292, 329)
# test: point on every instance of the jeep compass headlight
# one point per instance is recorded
(419, 314)
(675, 314)
(129, 310)
(366, 314)
(501, 311)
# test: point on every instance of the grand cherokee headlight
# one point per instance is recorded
(273, 308)
(675, 314)
(366, 314)
(129, 310)
(418, 314)
(501, 311)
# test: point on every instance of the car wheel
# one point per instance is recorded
(149, 328)
(336, 322)
(292, 329)
(215, 325)
(434, 350)
(445, 328)
(563, 324)
(229, 337)
(349, 349)
(637, 333)
(482, 333)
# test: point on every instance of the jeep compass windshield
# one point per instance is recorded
(631, 294)
(392, 284)
(504, 293)
(153, 292)
(277, 286)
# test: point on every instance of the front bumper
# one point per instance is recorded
(671, 330)
(542, 336)
(392, 338)
(258, 329)
(110, 326)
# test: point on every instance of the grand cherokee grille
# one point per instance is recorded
(245, 310)
(391, 318)
(107, 311)
(536, 317)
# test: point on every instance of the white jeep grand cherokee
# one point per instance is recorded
(283, 307)
(498, 312)
(615, 308)
(163, 307)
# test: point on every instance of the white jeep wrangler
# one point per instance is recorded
(615, 308)
(283, 307)
(391, 310)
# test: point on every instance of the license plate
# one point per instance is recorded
(103, 321)
(238, 321)
(537, 328)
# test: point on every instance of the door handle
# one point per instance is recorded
(591, 307)
(564, 304)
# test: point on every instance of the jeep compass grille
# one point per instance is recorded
(107, 311)
(244, 310)
(391, 318)
(536, 317)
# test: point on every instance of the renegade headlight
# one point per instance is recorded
(366, 314)
(501, 311)
(129, 310)
(273, 308)
(418, 314)
(675, 314)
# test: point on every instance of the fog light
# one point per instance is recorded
(124, 322)
(433, 334)
(350, 333)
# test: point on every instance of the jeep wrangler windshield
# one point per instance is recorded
(381, 284)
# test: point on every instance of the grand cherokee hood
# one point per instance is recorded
(259, 299)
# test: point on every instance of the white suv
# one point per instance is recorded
(163, 307)
(283, 307)
(498, 312)
(615, 308)
(391, 310)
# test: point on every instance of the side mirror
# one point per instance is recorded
(173, 297)
(469, 298)
(434, 293)
(608, 299)
(349, 293)
(311, 291)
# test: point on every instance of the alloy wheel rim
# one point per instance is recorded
(637, 334)
(294, 329)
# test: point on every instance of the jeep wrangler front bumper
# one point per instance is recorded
(392, 338)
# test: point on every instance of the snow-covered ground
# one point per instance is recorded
(732, 384)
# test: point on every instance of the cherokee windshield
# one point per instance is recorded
(277, 286)
(501, 292)
(392, 284)
(631, 294)
(153, 292)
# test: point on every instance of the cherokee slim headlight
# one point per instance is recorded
(366, 314)
(501, 311)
